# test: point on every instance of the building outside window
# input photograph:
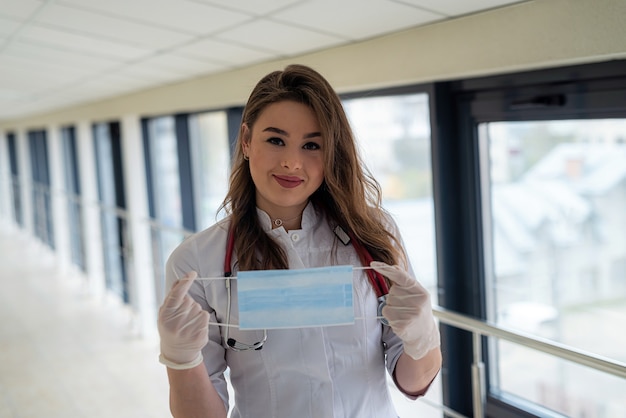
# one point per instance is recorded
(558, 199)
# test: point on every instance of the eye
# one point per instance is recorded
(275, 140)
(311, 146)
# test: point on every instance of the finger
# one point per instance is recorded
(180, 289)
(205, 318)
(393, 273)
(191, 275)
(202, 329)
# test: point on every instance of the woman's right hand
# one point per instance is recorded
(183, 327)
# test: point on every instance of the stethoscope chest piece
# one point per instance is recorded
(382, 302)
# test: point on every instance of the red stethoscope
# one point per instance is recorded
(376, 280)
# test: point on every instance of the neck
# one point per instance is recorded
(286, 223)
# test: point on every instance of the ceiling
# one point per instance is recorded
(55, 54)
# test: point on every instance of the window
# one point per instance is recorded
(187, 165)
(394, 136)
(541, 173)
(40, 171)
(558, 199)
(15, 180)
(72, 187)
(166, 205)
(210, 157)
(107, 138)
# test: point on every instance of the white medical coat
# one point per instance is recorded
(321, 372)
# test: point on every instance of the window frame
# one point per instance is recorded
(74, 207)
(41, 186)
(574, 92)
(17, 206)
(109, 205)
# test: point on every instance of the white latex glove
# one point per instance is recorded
(409, 311)
(183, 326)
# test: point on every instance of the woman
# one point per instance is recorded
(298, 198)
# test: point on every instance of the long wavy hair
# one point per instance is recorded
(349, 195)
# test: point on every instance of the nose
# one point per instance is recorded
(291, 159)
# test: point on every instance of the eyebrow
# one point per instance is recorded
(283, 132)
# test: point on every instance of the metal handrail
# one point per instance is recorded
(480, 328)
(554, 348)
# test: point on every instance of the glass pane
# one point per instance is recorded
(73, 202)
(112, 220)
(208, 135)
(165, 173)
(394, 137)
(40, 175)
(15, 180)
(167, 233)
(557, 201)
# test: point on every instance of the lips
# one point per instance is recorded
(288, 182)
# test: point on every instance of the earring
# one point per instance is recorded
(245, 157)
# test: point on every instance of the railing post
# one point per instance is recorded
(478, 377)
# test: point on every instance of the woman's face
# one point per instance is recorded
(286, 157)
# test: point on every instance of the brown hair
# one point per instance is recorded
(349, 195)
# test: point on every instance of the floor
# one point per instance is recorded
(64, 353)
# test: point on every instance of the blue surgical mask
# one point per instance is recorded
(312, 297)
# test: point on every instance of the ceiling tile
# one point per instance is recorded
(256, 7)
(81, 43)
(23, 81)
(36, 104)
(8, 26)
(7, 94)
(44, 70)
(110, 28)
(164, 70)
(456, 7)
(20, 9)
(185, 16)
(279, 38)
(181, 65)
(147, 70)
(225, 52)
(341, 18)
(108, 84)
(41, 53)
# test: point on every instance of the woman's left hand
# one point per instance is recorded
(409, 311)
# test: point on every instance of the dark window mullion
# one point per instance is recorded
(16, 189)
(185, 171)
(145, 130)
(42, 209)
(234, 116)
(457, 215)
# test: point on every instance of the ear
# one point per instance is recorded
(245, 138)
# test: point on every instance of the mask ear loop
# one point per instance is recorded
(228, 273)
(376, 279)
